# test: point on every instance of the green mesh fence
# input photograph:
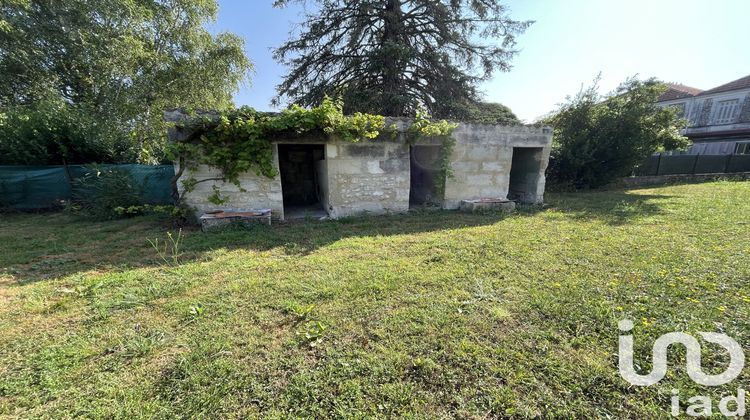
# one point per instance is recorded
(693, 164)
(40, 187)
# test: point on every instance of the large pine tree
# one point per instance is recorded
(392, 56)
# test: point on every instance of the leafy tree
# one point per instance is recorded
(600, 138)
(122, 62)
(52, 132)
(393, 56)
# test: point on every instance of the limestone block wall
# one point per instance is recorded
(260, 192)
(374, 176)
(367, 177)
(482, 160)
(321, 171)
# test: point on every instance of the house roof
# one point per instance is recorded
(741, 83)
(678, 91)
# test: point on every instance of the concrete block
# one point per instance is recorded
(209, 223)
(331, 151)
(481, 153)
(350, 166)
(365, 150)
(482, 179)
(249, 185)
(464, 166)
(395, 165)
(487, 204)
(373, 167)
(493, 167)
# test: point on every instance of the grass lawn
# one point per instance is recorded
(424, 315)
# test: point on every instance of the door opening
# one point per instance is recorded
(302, 177)
(427, 183)
(525, 174)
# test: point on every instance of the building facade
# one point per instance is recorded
(326, 177)
(718, 119)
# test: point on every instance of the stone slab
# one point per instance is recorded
(487, 204)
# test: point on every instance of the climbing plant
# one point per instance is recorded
(424, 127)
(241, 140)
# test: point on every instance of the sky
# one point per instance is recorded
(699, 43)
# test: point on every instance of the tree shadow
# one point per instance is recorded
(57, 245)
(613, 207)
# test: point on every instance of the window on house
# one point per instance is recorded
(727, 111)
(742, 149)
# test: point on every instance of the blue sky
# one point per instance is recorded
(699, 43)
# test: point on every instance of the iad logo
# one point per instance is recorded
(694, 369)
(693, 348)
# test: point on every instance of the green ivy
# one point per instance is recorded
(242, 140)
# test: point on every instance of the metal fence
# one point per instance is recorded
(40, 187)
(693, 165)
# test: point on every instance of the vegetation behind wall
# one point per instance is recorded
(600, 138)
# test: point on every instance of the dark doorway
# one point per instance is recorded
(301, 179)
(427, 182)
(524, 174)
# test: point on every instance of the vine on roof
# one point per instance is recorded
(240, 141)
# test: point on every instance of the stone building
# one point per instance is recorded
(325, 177)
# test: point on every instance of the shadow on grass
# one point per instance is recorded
(56, 245)
(302, 237)
(614, 207)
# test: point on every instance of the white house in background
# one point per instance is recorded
(718, 118)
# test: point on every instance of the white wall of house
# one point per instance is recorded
(695, 107)
(716, 121)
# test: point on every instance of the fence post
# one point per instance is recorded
(658, 164)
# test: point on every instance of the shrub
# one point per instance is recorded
(101, 191)
(600, 138)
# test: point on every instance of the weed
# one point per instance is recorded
(168, 250)
(301, 313)
(311, 333)
(196, 311)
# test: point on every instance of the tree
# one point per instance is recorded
(491, 113)
(121, 62)
(394, 56)
(600, 138)
(51, 131)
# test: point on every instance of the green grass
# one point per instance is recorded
(423, 315)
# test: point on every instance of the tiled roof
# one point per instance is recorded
(678, 91)
(741, 83)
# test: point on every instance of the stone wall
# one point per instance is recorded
(374, 176)
(482, 159)
(260, 192)
(321, 171)
(367, 177)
